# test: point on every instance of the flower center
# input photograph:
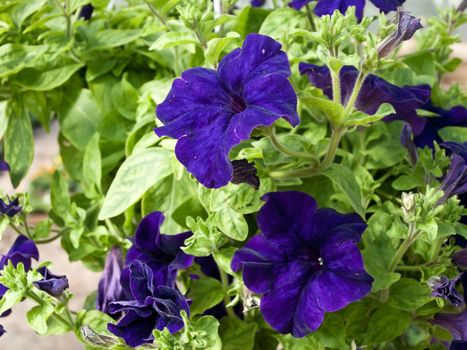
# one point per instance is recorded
(237, 104)
(313, 257)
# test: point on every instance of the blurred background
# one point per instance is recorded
(82, 281)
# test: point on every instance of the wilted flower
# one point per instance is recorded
(160, 252)
(210, 111)
(327, 7)
(86, 12)
(409, 145)
(10, 209)
(151, 307)
(374, 92)
(245, 172)
(110, 288)
(443, 287)
(305, 262)
(51, 284)
(407, 25)
(455, 181)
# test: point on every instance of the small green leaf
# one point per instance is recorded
(232, 224)
(109, 38)
(174, 38)
(332, 110)
(236, 334)
(92, 168)
(25, 8)
(386, 324)
(345, 180)
(59, 196)
(37, 317)
(360, 118)
(19, 143)
(125, 99)
(217, 45)
(409, 294)
(15, 57)
(206, 293)
(136, 175)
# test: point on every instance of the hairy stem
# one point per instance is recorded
(355, 92)
(332, 148)
(227, 300)
(284, 149)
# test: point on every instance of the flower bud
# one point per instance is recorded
(51, 284)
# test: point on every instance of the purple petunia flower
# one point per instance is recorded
(151, 307)
(327, 7)
(428, 133)
(455, 181)
(2, 330)
(210, 111)
(305, 262)
(110, 288)
(160, 252)
(22, 251)
(443, 287)
(456, 324)
(10, 209)
(51, 284)
(374, 92)
(86, 12)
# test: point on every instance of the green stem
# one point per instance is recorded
(284, 149)
(356, 91)
(227, 300)
(51, 239)
(336, 86)
(333, 146)
(155, 12)
(38, 300)
(292, 174)
(310, 17)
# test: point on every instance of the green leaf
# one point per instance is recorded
(42, 229)
(37, 317)
(224, 258)
(206, 293)
(3, 118)
(205, 333)
(59, 196)
(136, 175)
(232, 224)
(24, 9)
(125, 99)
(386, 324)
(331, 333)
(409, 294)
(332, 110)
(10, 299)
(19, 143)
(15, 57)
(345, 180)
(46, 79)
(109, 38)
(236, 334)
(79, 117)
(217, 45)
(92, 168)
(281, 21)
(174, 38)
(360, 118)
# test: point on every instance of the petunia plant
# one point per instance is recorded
(243, 175)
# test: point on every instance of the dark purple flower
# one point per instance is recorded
(4, 166)
(150, 308)
(51, 284)
(22, 251)
(428, 134)
(374, 92)
(456, 324)
(305, 262)
(443, 287)
(160, 252)
(110, 288)
(407, 25)
(245, 172)
(456, 148)
(2, 330)
(460, 259)
(327, 7)
(409, 145)
(86, 12)
(257, 3)
(10, 209)
(455, 181)
(210, 111)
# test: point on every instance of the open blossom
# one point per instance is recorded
(160, 252)
(211, 111)
(429, 132)
(110, 288)
(374, 92)
(150, 307)
(52, 284)
(305, 262)
(327, 7)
